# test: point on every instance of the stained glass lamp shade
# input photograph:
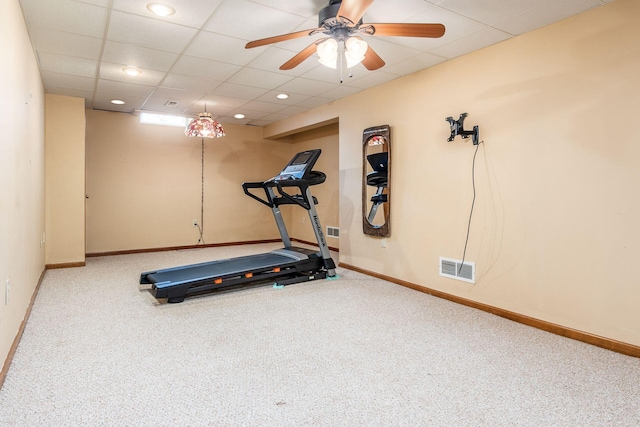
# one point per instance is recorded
(204, 126)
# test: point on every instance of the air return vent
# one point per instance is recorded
(333, 232)
(451, 268)
(171, 103)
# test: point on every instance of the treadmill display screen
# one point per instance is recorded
(301, 158)
(300, 166)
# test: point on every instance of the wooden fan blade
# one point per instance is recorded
(352, 10)
(372, 60)
(408, 30)
(301, 56)
(283, 37)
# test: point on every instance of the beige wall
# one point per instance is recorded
(325, 138)
(555, 227)
(144, 184)
(65, 164)
(22, 182)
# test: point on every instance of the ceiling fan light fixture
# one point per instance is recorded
(329, 62)
(356, 48)
(328, 53)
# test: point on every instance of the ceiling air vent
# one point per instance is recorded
(171, 103)
(451, 268)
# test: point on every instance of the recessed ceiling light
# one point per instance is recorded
(239, 116)
(117, 102)
(132, 71)
(161, 9)
(282, 96)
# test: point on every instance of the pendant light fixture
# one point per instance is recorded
(204, 126)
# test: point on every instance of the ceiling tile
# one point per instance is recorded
(341, 91)
(115, 72)
(264, 107)
(259, 78)
(188, 83)
(305, 8)
(415, 63)
(456, 26)
(314, 101)
(147, 32)
(176, 95)
(293, 98)
(67, 65)
(190, 13)
(372, 79)
(66, 15)
(490, 11)
(306, 86)
(223, 101)
(102, 101)
(232, 90)
(121, 89)
(63, 43)
(51, 79)
(198, 67)
(545, 14)
(215, 110)
(250, 21)
(470, 43)
(221, 48)
(388, 11)
(138, 56)
(103, 3)
(159, 105)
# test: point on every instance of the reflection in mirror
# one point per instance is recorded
(376, 149)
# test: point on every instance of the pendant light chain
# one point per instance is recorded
(201, 227)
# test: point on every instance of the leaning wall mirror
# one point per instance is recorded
(376, 168)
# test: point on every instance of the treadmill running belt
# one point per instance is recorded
(220, 268)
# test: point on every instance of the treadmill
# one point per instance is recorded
(282, 266)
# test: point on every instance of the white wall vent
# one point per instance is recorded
(333, 232)
(451, 268)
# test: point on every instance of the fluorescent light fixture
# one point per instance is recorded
(239, 116)
(161, 9)
(117, 101)
(132, 71)
(163, 119)
(282, 96)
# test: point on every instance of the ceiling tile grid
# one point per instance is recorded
(196, 56)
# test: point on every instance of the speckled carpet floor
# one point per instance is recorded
(98, 351)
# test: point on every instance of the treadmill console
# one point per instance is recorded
(300, 166)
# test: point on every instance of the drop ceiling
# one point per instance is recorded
(197, 56)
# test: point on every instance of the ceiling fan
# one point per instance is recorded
(341, 22)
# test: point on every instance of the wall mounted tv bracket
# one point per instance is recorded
(457, 128)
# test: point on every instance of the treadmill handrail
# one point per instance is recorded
(247, 185)
(315, 178)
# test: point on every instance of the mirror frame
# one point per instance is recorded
(383, 230)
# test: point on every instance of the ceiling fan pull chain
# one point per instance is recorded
(341, 56)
